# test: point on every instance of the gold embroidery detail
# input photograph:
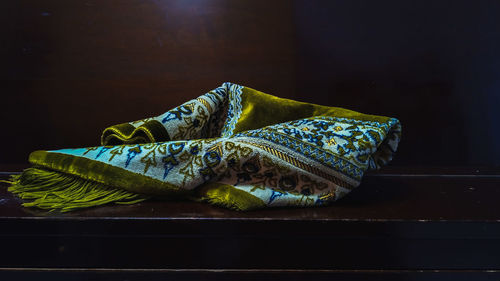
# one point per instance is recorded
(206, 104)
(301, 165)
(149, 159)
(331, 141)
(330, 196)
(116, 151)
(190, 106)
(217, 148)
(303, 200)
(89, 149)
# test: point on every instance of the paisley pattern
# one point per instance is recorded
(304, 162)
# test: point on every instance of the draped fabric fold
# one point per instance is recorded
(233, 146)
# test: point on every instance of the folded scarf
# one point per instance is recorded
(234, 147)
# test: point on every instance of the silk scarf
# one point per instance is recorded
(234, 147)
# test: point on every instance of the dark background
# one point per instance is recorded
(68, 69)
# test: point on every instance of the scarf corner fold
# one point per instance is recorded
(233, 147)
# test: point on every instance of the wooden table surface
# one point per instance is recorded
(402, 224)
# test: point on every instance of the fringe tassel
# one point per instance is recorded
(227, 196)
(53, 191)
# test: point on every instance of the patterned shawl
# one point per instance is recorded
(234, 147)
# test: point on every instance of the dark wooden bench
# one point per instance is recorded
(395, 226)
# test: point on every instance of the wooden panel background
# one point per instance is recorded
(70, 68)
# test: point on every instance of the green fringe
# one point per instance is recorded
(227, 196)
(53, 191)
